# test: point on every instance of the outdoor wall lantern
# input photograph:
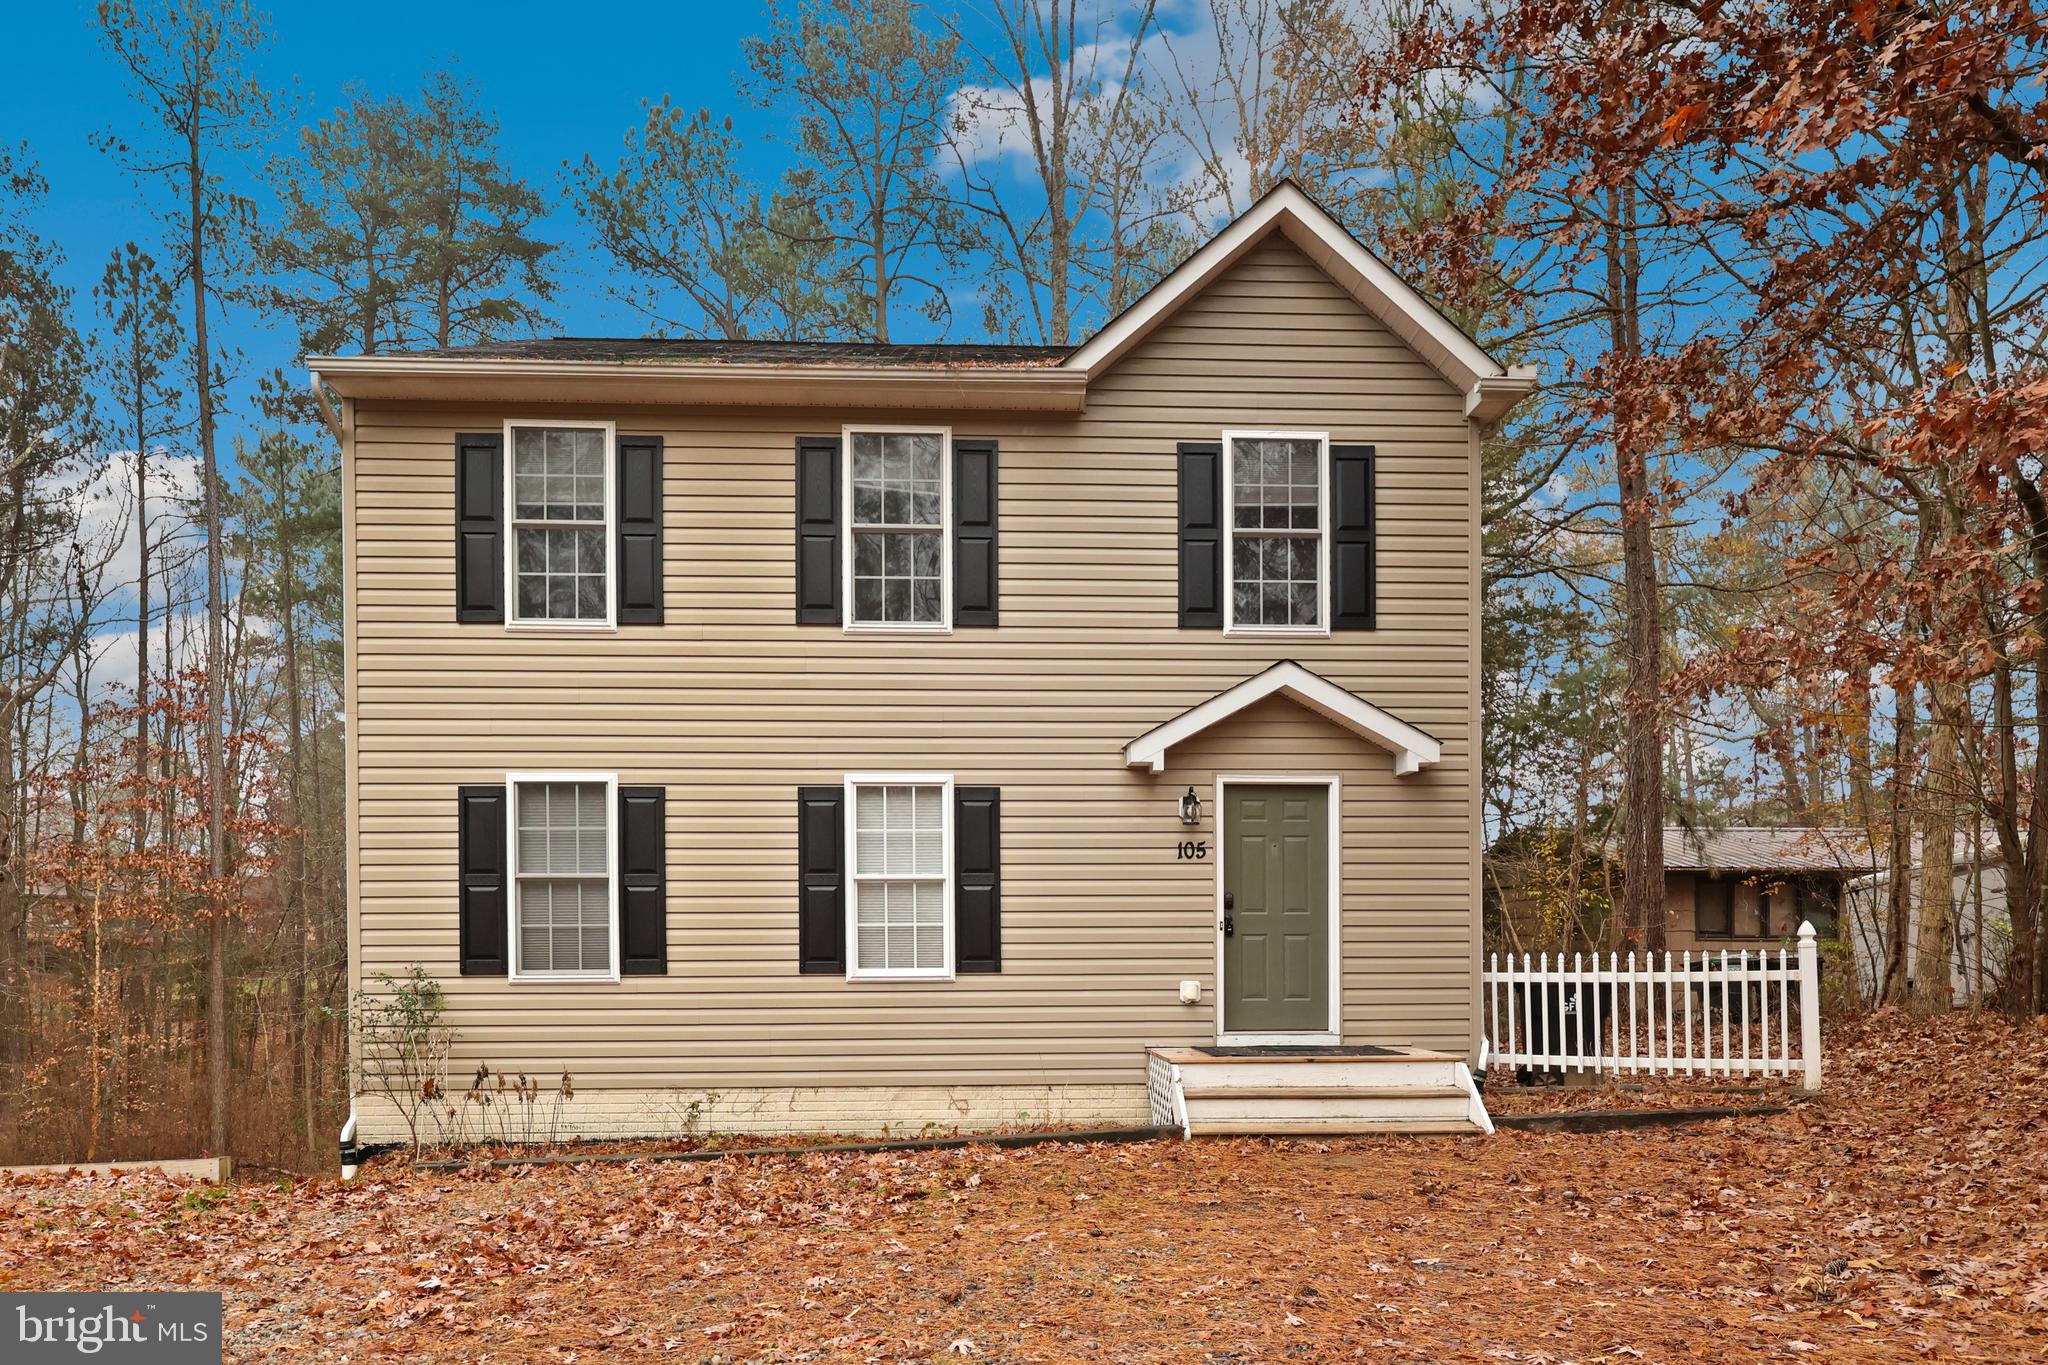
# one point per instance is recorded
(1191, 808)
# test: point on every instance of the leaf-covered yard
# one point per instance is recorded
(1902, 1216)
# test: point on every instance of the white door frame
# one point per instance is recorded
(1333, 900)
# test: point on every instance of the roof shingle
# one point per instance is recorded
(679, 351)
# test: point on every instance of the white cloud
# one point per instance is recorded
(108, 512)
(1185, 61)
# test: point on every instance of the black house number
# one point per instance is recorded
(1196, 849)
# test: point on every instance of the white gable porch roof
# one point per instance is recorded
(1413, 749)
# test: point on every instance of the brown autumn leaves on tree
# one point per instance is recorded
(1803, 242)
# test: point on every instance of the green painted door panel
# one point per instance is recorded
(1276, 874)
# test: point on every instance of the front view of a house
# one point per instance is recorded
(839, 737)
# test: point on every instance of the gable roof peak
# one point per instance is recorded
(1490, 388)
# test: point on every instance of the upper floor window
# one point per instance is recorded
(1275, 498)
(898, 494)
(561, 518)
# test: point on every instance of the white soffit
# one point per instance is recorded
(1413, 749)
(1490, 388)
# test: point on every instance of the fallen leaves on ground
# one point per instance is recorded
(1586, 1092)
(1900, 1216)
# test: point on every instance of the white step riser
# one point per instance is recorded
(1238, 1074)
(1250, 1108)
(1326, 1128)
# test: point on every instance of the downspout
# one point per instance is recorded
(349, 1155)
(327, 412)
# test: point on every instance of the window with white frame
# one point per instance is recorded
(562, 912)
(561, 524)
(1274, 489)
(897, 489)
(902, 871)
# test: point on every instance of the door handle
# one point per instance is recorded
(1229, 926)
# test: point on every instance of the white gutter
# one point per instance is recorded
(1491, 396)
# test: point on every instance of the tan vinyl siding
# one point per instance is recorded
(731, 707)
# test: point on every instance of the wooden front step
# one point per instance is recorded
(1349, 1127)
(1314, 1092)
(1326, 1092)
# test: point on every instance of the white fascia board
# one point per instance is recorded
(1368, 279)
(1413, 749)
(1040, 388)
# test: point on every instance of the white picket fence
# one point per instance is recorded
(1695, 1014)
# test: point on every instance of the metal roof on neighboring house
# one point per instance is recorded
(1762, 848)
(699, 351)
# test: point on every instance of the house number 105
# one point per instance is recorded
(1193, 848)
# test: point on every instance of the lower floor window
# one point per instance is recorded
(562, 909)
(901, 866)
(1714, 907)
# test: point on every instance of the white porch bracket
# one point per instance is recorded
(1413, 749)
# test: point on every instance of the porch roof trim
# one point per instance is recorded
(1413, 748)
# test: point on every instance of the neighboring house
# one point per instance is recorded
(779, 736)
(1750, 885)
(1981, 934)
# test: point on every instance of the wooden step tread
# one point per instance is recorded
(1325, 1092)
(1187, 1056)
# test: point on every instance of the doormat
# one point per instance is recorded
(1287, 1050)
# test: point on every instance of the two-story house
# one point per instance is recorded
(831, 737)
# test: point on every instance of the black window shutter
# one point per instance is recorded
(479, 526)
(1201, 534)
(480, 858)
(817, 530)
(639, 494)
(821, 879)
(1354, 575)
(643, 881)
(977, 879)
(974, 533)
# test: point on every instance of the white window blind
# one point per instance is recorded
(900, 868)
(562, 864)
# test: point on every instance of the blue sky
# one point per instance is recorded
(562, 81)
(558, 88)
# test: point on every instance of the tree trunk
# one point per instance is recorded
(141, 600)
(1931, 990)
(1899, 856)
(1642, 780)
(13, 910)
(211, 738)
(296, 909)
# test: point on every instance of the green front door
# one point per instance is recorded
(1276, 888)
